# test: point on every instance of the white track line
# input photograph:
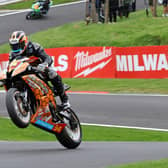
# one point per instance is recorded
(130, 127)
(5, 2)
(26, 10)
(113, 94)
(120, 94)
(118, 126)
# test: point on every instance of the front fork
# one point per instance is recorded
(25, 100)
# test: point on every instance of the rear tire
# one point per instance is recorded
(19, 116)
(71, 136)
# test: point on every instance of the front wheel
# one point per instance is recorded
(16, 110)
(33, 15)
(71, 136)
(29, 15)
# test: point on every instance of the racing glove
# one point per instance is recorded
(42, 67)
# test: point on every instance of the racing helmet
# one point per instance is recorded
(18, 42)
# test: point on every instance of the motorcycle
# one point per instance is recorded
(38, 10)
(30, 99)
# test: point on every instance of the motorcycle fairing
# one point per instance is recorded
(2, 78)
(43, 119)
(20, 65)
(14, 64)
(20, 68)
(32, 59)
(47, 124)
(40, 89)
(43, 94)
(36, 7)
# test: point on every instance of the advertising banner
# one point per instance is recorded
(142, 62)
(3, 61)
(107, 62)
(62, 58)
(83, 62)
(93, 62)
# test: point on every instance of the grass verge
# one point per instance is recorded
(119, 85)
(137, 30)
(134, 86)
(90, 133)
(152, 164)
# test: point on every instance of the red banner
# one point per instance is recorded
(62, 60)
(93, 62)
(107, 62)
(84, 62)
(3, 61)
(142, 62)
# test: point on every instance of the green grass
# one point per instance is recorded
(146, 86)
(28, 3)
(8, 131)
(137, 30)
(119, 85)
(146, 164)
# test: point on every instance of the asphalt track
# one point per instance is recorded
(125, 110)
(140, 111)
(130, 110)
(89, 155)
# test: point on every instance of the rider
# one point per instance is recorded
(46, 4)
(22, 47)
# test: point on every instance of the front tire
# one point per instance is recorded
(16, 111)
(71, 135)
(29, 15)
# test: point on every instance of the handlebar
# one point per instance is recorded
(34, 69)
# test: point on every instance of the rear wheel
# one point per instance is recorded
(16, 109)
(71, 135)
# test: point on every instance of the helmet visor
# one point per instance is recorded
(16, 48)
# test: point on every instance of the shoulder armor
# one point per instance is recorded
(36, 46)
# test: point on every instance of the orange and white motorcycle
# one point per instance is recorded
(30, 99)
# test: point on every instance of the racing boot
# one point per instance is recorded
(59, 89)
(65, 101)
